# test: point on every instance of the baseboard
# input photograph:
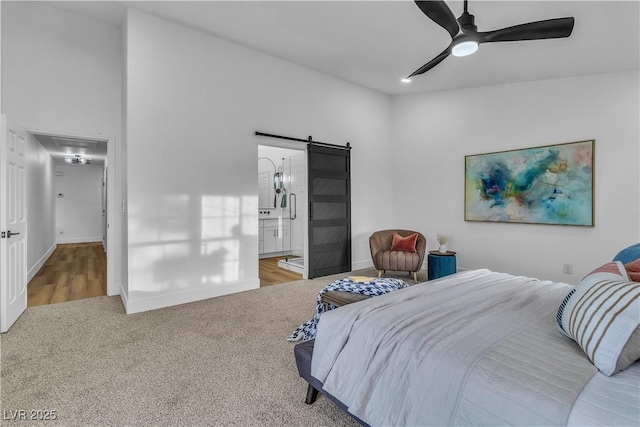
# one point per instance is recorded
(176, 298)
(90, 239)
(117, 290)
(273, 254)
(123, 297)
(38, 265)
(361, 265)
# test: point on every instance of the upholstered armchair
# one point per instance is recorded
(404, 257)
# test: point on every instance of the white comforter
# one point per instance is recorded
(477, 347)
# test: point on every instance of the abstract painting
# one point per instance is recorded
(552, 184)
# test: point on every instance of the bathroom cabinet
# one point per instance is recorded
(273, 236)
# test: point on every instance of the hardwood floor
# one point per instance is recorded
(74, 271)
(271, 274)
(79, 270)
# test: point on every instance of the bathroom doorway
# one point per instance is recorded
(282, 201)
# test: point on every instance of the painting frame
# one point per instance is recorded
(547, 184)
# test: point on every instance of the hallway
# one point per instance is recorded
(74, 271)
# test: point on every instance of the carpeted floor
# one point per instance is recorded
(223, 361)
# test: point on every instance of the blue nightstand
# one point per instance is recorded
(440, 264)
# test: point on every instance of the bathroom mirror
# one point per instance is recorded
(266, 183)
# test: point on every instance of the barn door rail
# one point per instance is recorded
(309, 140)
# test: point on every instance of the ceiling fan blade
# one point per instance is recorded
(435, 61)
(548, 29)
(439, 12)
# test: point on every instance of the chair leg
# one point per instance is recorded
(380, 273)
(415, 276)
(312, 395)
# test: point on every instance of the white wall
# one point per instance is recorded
(61, 71)
(1, 110)
(439, 129)
(194, 102)
(41, 238)
(78, 191)
(62, 74)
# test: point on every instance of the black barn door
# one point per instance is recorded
(329, 210)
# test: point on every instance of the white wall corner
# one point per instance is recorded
(190, 295)
(38, 265)
(360, 265)
(123, 297)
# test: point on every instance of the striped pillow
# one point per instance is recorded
(603, 317)
(561, 313)
(613, 270)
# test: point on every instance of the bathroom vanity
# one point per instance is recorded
(273, 236)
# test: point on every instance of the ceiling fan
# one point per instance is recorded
(465, 36)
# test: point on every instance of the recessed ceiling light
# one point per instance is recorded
(406, 80)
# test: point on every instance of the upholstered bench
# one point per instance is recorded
(339, 291)
(340, 298)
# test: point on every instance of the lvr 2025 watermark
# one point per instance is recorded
(29, 415)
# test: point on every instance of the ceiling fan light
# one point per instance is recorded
(464, 48)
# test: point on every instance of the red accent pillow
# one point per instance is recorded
(633, 270)
(404, 244)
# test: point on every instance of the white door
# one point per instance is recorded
(13, 224)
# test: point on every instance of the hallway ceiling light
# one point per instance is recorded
(77, 160)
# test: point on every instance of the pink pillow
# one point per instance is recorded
(404, 244)
(633, 270)
(613, 270)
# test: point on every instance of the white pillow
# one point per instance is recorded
(601, 316)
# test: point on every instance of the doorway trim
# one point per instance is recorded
(112, 255)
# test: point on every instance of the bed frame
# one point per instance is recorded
(304, 353)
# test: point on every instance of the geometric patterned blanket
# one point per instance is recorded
(374, 287)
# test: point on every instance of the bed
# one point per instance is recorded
(483, 348)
